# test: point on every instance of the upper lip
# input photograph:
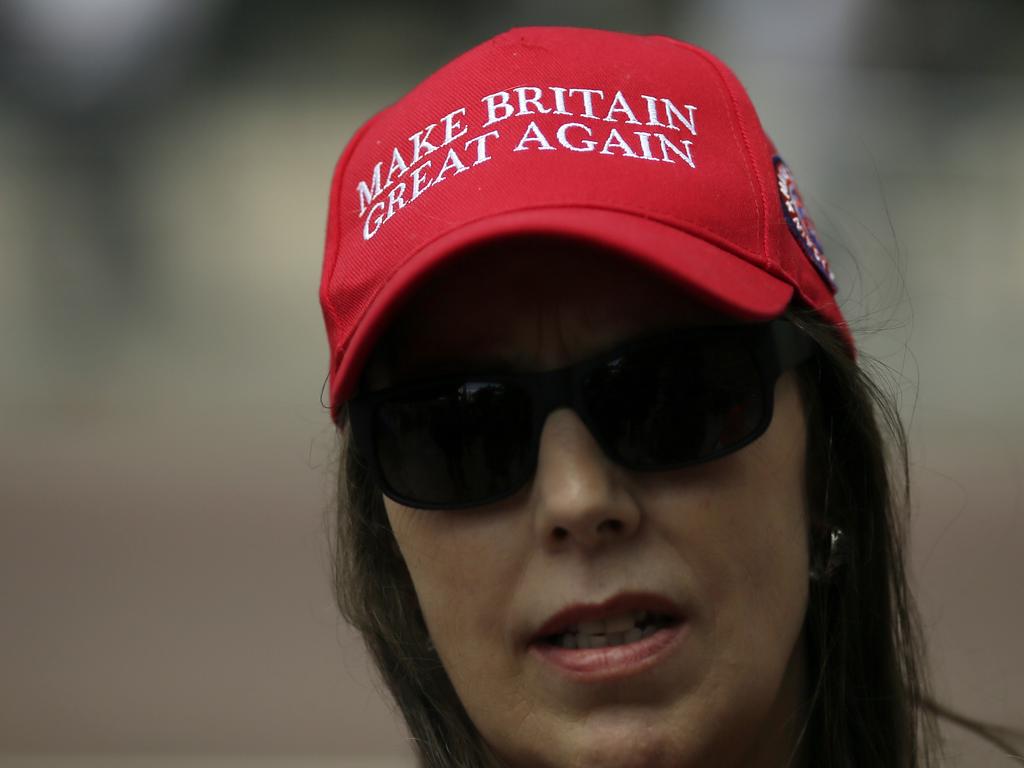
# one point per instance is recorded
(623, 602)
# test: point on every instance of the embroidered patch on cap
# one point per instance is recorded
(799, 221)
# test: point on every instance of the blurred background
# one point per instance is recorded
(166, 466)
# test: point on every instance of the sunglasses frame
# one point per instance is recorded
(776, 346)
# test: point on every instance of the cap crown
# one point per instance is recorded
(564, 118)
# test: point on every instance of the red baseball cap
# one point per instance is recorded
(642, 144)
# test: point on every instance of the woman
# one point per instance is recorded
(615, 490)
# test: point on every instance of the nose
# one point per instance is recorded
(579, 493)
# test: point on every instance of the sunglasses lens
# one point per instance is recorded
(452, 444)
(675, 404)
(457, 443)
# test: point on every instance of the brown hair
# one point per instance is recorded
(869, 698)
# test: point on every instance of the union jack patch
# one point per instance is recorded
(799, 221)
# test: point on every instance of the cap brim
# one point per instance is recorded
(713, 275)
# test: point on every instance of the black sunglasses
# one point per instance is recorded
(660, 402)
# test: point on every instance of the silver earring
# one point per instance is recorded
(829, 556)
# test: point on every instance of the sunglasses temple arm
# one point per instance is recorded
(791, 344)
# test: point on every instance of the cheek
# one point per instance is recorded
(746, 546)
(763, 562)
(754, 641)
(462, 582)
(756, 571)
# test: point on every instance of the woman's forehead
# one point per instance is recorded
(534, 305)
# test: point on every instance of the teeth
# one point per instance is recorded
(622, 623)
(581, 639)
(591, 627)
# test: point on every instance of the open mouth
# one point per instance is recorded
(621, 630)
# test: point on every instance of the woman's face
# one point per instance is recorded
(726, 539)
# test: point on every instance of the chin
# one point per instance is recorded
(631, 754)
(600, 743)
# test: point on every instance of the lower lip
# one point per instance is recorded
(589, 665)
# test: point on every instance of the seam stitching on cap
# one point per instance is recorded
(758, 189)
(344, 161)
